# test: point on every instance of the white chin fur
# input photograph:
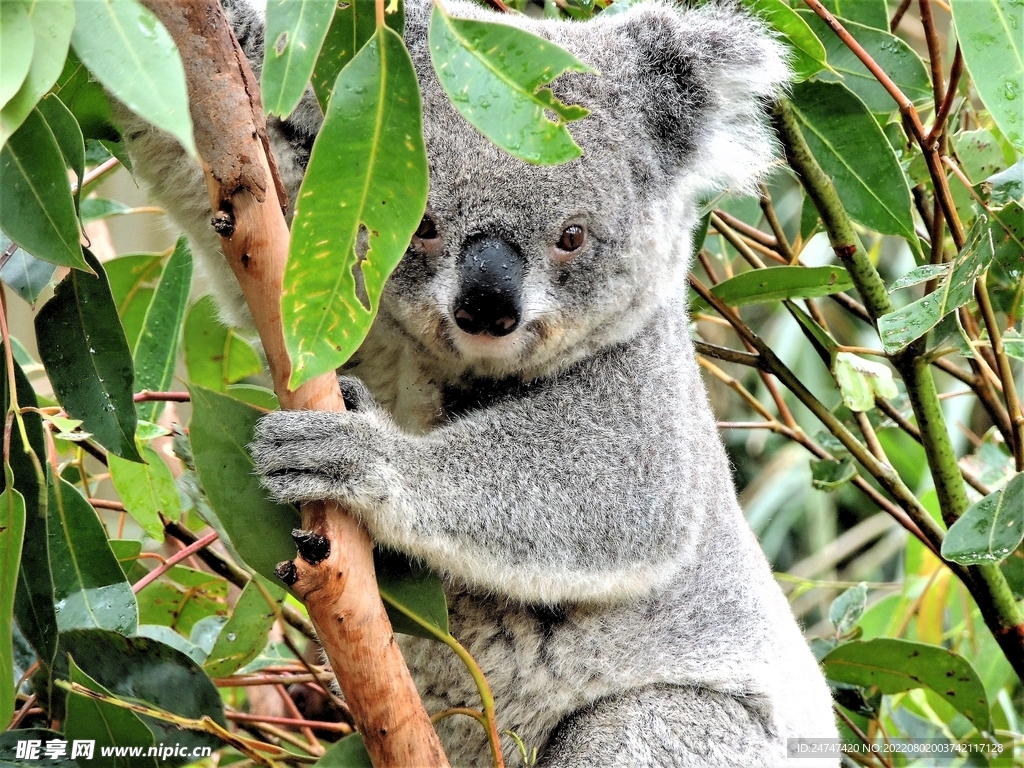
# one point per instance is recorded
(486, 348)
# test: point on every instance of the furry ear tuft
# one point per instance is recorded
(706, 76)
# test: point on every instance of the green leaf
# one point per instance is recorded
(294, 33)
(413, 596)
(895, 57)
(979, 154)
(16, 44)
(133, 280)
(128, 50)
(830, 474)
(12, 533)
(26, 274)
(182, 597)
(901, 327)
(89, 587)
(493, 75)
(37, 210)
(157, 348)
(96, 208)
(353, 25)
(1008, 185)
(919, 275)
(105, 724)
(147, 490)
(807, 52)
(900, 665)
(846, 610)
(245, 633)
(871, 13)
(52, 21)
(762, 285)
(860, 380)
(990, 36)
(86, 356)
(368, 169)
(33, 605)
(87, 101)
(144, 670)
(991, 529)
(850, 147)
(220, 430)
(349, 752)
(168, 636)
(820, 339)
(68, 135)
(214, 354)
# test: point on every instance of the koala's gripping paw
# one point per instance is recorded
(311, 455)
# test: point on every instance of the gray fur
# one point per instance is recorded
(567, 480)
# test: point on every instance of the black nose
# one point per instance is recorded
(490, 287)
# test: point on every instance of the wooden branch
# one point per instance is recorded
(334, 572)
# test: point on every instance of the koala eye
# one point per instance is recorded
(572, 239)
(427, 230)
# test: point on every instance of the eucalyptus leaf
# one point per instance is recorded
(216, 356)
(246, 631)
(26, 274)
(368, 170)
(147, 490)
(991, 36)
(89, 587)
(846, 610)
(901, 665)
(16, 44)
(295, 30)
(12, 532)
(85, 353)
(919, 275)
(182, 598)
(861, 380)
(220, 430)
(68, 135)
(133, 280)
(851, 148)
(807, 53)
(413, 596)
(52, 22)
(830, 474)
(349, 752)
(493, 73)
(871, 13)
(991, 529)
(157, 348)
(777, 283)
(37, 210)
(128, 50)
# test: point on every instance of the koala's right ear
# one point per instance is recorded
(704, 78)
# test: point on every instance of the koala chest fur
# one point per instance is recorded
(527, 416)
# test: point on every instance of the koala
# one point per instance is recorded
(527, 417)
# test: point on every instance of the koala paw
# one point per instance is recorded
(312, 455)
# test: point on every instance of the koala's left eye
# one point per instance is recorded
(572, 238)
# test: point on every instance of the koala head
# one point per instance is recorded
(519, 269)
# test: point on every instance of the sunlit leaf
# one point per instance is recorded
(129, 51)
(133, 279)
(181, 598)
(807, 51)
(295, 30)
(990, 529)
(991, 36)
(860, 380)
(494, 75)
(368, 170)
(147, 490)
(214, 353)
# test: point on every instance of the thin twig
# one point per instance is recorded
(177, 557)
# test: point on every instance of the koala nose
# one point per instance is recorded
(491, 274)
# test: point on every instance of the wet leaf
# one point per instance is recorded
(807, 54)
(900, 665)
(181, 598)
(776, 283)
(850, 147)
(245, 634)
(128, 50)
(991, 529)
(368, 170)
(920, 275)
(37, 210)
(26, 274)
(494, 75)
(89, 587)
(991, 35)
(86, 356)
(295, 30)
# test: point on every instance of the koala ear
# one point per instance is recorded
(704, 79)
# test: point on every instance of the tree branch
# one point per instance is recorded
(339, 590)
